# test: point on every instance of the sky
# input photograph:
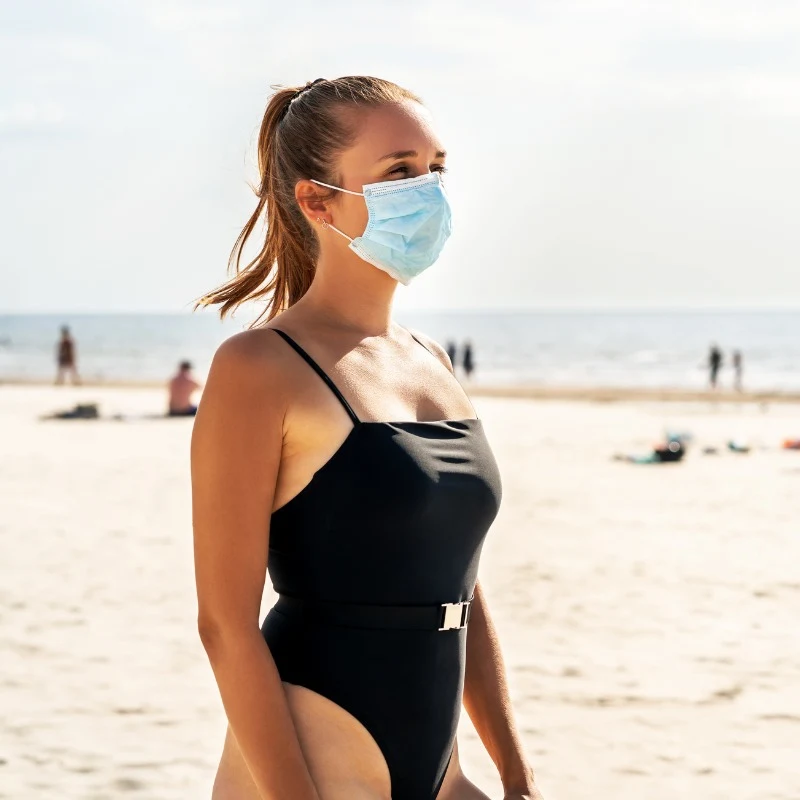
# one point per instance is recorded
(603, 154)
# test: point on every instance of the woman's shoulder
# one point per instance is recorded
(255, 344)
(433, 346)
(254, 358)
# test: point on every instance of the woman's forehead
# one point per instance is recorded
(397, 128)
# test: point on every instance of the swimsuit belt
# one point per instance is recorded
(443, 617)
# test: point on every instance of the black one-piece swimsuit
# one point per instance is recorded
(375, 561)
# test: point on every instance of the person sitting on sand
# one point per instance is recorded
(181, 389)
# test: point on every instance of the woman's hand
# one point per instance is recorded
(532, 794)
(524, 788)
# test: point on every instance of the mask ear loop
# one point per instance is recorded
(326, 225)
(338, 189)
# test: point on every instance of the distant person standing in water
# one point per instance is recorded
(467, 359)
(714, 364)
(451, 351)
(181, 389)
(66, 358)
(738, 369)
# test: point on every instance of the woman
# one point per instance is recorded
(371, 530)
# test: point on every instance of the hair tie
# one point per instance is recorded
(297, 94)
(305, 88)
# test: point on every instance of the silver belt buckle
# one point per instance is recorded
(455, 616)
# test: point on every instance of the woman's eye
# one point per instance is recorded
(404, 169)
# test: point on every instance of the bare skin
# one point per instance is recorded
(265, 425)
(342, 756)
(181, 389)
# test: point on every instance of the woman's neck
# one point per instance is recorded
(352, 296)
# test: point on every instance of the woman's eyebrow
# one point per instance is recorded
(409, 154)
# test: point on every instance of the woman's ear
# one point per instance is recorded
(314, 201)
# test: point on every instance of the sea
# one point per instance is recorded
(653, 349)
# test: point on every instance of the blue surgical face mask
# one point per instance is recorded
(409, 222)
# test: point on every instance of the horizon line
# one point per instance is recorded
(449, 311)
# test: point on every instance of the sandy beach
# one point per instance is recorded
(523, 391)
(649, 614)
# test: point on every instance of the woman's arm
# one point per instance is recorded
(489, 705)
(236, 450)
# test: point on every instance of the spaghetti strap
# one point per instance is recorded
(316, 367)
(421, 344)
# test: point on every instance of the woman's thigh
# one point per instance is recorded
(344, 760)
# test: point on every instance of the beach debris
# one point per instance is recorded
(679, 436)
(80, 411)
(668, 452)
(738, 446)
